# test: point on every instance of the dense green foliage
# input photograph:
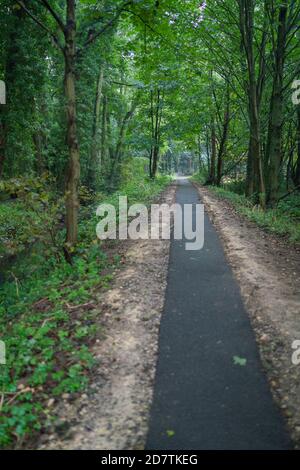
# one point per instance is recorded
(158, 79)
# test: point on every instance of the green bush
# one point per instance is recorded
(237, 186)
(32, 215)
(200, 177)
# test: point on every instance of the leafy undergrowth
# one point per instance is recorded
(284, 220)
(29, 211)
(49, 322)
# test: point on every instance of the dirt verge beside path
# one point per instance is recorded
(113, 414)
(268, 272)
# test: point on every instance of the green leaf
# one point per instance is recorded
(239, 361)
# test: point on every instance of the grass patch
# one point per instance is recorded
(284, 220)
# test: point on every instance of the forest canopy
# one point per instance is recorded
(91, 83)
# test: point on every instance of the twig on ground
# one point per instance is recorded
(74, 307)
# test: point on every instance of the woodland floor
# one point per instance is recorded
(114, 413)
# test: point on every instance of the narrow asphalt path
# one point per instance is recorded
(202, 399)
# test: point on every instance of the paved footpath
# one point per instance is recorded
(203, 399)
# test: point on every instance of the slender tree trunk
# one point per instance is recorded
(156, 117)
(2, 145)
(254, 180)
(212, 170)
(289, 168)
(297, 168)
(274, 144)
(199, 153)
(122, 132)
(152, 132)
(104, 130)
(109, 144)
(155, 162)
(128, 116)
(156, 138)
(73, 170)
(38, 144)
(95, 157)
(223, 142)
(208, 148)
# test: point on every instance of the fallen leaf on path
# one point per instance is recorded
(239, 361)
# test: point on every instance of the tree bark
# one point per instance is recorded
(38, 144)
(95, 157)
(103, 130)
(119, 145)
(296, 178)
(223, 142)
(2, 145)
(73, 170)
(212, 168)
(156, 116)
(254, 180)
(109, 142)
(274, 142)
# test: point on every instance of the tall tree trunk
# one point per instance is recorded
(274, 143)
(109, 143)
(119, 145)
(155, 161)
(2, 143)
(199, 153)
(152, 132)
(73, 170)
(104, 130)
(254, 180)
(208, 148)
(155, 153)
(212, 169)
(156, 116)
(223, 142)
(297, 168)
(95, 156)
(38, 144)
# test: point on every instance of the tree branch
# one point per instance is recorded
(57, 18)
(110, 23)
(41, 25)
